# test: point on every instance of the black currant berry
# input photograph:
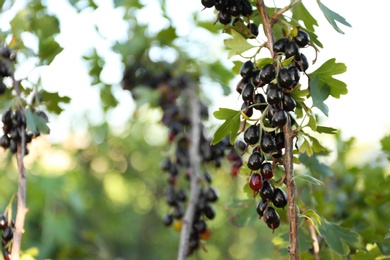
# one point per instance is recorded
(274, 94)
(279, 119)
(247, 69)
(289, 103)
(255, 182)
(170, 195)
(4, 141)
(255, 161)
(280, 198)
(252, 135)
(280, 45)
(8, 233)
(302, 38)
(224, 17)
(221, 5)
(260, 102)
(268, 143)
(200, 226)
(211, 194)
(266, 191)
(209, 211)
(267, 171)
(167, 219)
(178, 211)
(247, 8)
(303, 64)
(267, 73)
(234, 9)
(261, 206)
(181, 195)
(208, 3)
(292, 50)
(295, 71)
(271, 218)
(247, 93)
(247, 109)
(279, 139)
(3, 222)
(286, 79)
(254, 29)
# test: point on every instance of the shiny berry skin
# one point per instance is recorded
(261, 206)
(247, 69)
(211, 194)
(271, 218)
(255, 182)
(280, 45)
(167, 220)
(252, 135)
(209, 211)
(254, 29)
(267, 73)
(266, 191)
(289, 103)
(255, 161)
(295, 71)
(181, 195)
(247, 8)
(268, 143)
(279, 119)
(303, 63)
(8, 233)
(245, 107)
(260, 99)
(4, 141)
(286, 79)
(178, 211)
(302, 38)
(247, 93)
(279, 139)
(224, 17)
(234, 9)
(266, 171)
(274, 94)
(220, 5)
(292, 50)
(280, 198)
(170, 195)
(208, 3)
(3, 222)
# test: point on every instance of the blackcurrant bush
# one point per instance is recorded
(255, 161)
(267, 143)
(280, 45)
(286, 79)
(267, 73)
(280, 198)
(266, 191)
(274, 94)
(279, 119)
(267, 171)
(302, 38)
(252, 134)
(247, 69)
(289, 103)
(255, 182)
(292, 50)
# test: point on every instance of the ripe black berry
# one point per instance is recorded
(266, 191)
(292, 50)
(289, 103)
(224, 17)
(3, 222)
(246, 70)
(209, 211)
(286, 78)
(280, 45)
(271, 218)
(261, 206)
(267, 73)
(254, 29)
(302, 38)
(266, 170)
(274, 94)
(247, 93)
(255, 160)
(303, 63)
(252, 134)
(279, 119)
(280, 198)
(279, 139)
(167, 219)
(260, 102)
(268, 143)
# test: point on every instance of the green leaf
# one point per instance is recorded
(230, 126)
(35, 122)
(324, 75)
(319, 93)
(308, 178)
(45, 26)
(48, 50)
(326, 130)
(238, 44)
(312, 122)
(305, 147)
(166, 36)
(316, 145)
(338, 238)
(312, 217)
(385, 143)
(53, 101)
(315, 166)
(333, 17)
(264, 61)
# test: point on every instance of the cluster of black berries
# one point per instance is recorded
(8, 232)
(267, 91)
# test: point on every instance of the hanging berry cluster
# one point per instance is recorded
(14, 119)
(8, 232)
(266, 90)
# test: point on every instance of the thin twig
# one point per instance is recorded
(316, 246)
(195, 173)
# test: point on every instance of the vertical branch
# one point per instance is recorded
(195, 173)
(21, 195)
(288, 137)
(291, 189)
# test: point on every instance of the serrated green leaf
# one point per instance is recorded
(308, 178)
(333, 17)
(230, 126)
(45, 26)
(316, 145)
(325, 73)
(385, 143)
(312, 216)
(238, 44)
(35, 122)
(319, 93)
(337, 237)
(312, 122)
(264, 61)
(53, 100)
(48, 50)
(305, 147)
(326, 130)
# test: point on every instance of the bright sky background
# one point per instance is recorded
(362, 113)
